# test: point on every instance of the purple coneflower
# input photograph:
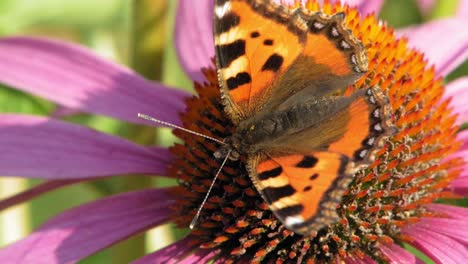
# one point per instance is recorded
(389, 204)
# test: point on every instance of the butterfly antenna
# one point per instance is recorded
(197, 215)
(149, 118)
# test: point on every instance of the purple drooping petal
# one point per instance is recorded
(45, 148)
(440, 248)
(170, 254)
(82, 231)
(450, 211)
(74, 77)
(454, 228)
(193, 36)
(397, 254)
(458, 91)
(201, 256)
(366, 7)
(62, 111)
(444, 42)
(34, 192)
(460, 185)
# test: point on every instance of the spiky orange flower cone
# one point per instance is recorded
(410, 172)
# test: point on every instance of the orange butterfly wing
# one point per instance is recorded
(303, 191)
(303, 187)
(271, 59)
(267, 53)
(248, 59)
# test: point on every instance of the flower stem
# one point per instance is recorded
(147, 34)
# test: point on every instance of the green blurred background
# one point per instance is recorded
(138, 34)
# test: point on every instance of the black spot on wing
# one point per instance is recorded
(290, 210)
(254, 34)
(273, 63)
(229, 52)
(307, 162)
(226, 22)
(270, 173)
(273, 194)
(307, 188)
(314, 176)
(240, 79)
(268, 42)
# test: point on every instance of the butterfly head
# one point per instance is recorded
(232, 147)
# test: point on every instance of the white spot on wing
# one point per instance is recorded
(293, 220)
(345, 45)
(376, 113)
(378, 127)
(318, 25)
(363, 153)
(353, 59)
(220, 11)
(334, 32)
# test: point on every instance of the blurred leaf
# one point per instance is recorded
(172, 72)
(445, 8)
(47, 206)
(18, 14)
(400, 13)
(16, 101)
(460, 71)
(418, 254)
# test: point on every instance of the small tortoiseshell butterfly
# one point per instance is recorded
(282, 75)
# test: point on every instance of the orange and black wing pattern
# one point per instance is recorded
(303, 177)
(266, 54)
(356, 126)
(255, 42)
(303, 191)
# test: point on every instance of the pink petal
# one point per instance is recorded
(170, 254)
(62, 111)
(356, 260)
(82, 231)
(34, 192)
(463, 137)
(397, 254)
(444, 42)
(366, 7)
(199, 257)
(450, 211)
(458, 91)
(460, 186)
(462, 10)
(40, 147)
(193, 36)
(440, 248)
(74, 77)
(454, 228)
